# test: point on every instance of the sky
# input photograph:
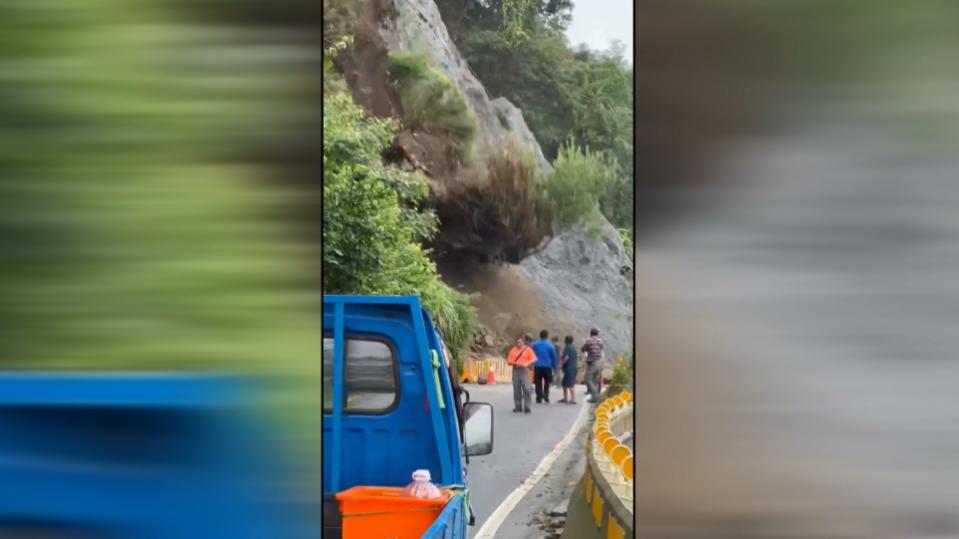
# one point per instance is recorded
(597, 22)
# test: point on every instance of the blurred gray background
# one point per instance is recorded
(797, 254)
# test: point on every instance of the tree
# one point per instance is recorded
(464, 17)
(617, 51)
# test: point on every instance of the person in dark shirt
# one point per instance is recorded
(557, 369)
(568, 367)
(593, 347)
(545, 363)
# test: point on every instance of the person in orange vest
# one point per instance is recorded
(521, 356)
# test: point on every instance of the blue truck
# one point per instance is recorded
(391, 407)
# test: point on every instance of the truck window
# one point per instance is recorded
(371, 375)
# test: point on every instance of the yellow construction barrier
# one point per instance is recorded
(504, 371)
(474, 369)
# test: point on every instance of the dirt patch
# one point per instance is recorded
(436, 156)
(364, 64)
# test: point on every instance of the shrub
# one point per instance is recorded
(509, 212)
(592, 226)
(579, 178)
(622, 379)
(616, 201)
(515, 190)
(455, 317)
(433, 103)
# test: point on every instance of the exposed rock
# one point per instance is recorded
(417, 27)
(511, 119)
(579, 282)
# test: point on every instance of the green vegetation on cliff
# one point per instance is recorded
(140, 228)
(373, 224)
(578, 180)
(432, 103)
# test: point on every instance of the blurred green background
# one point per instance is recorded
(158, 198)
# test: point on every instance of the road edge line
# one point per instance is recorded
(497, 517)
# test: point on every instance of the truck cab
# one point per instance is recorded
(389, 408)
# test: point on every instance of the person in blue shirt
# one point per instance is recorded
(543, 368)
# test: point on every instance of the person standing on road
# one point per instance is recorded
(521, 356)
(568, 366)
(545, 363)
(558, 370)
(593, 347)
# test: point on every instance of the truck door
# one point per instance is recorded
(386, 430)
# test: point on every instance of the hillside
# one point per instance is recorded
(497, 236)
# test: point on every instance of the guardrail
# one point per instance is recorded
(609, 468)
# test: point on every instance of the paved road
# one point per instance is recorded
(520, 441)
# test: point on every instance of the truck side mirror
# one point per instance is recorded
(478, 428)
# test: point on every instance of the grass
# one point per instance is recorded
(433, 103)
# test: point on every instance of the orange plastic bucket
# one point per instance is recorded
(387, 513)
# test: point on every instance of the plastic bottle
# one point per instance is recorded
(421, 487)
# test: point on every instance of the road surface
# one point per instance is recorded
(520, 443)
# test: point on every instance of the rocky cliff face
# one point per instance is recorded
(580, 282)
(415, 26)
(572, 284)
